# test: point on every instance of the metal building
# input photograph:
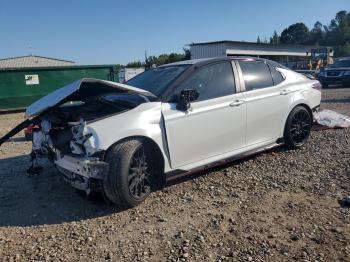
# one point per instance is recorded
(33, 61)
(279, 52)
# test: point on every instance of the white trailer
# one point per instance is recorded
(127, 73)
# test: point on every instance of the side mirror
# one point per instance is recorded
(186, 97)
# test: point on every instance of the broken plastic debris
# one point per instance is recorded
(332, 119)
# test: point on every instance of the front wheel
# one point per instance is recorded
(131, 173)
(298, 127)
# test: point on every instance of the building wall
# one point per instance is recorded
(206, 51)
(246, 48)
(18, 90)
(267, 47)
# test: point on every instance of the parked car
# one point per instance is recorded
(336, 74)
(124, 139)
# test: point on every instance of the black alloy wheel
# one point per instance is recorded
(139, 179)
(134, 167)
(298, 127)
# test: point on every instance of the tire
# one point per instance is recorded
(297, 128)
(129, 180)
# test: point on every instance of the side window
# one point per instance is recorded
(256, 75)
(276, 76)
(211, 81)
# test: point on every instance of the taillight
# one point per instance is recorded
(317, 85)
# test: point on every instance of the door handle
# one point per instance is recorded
(237, 103)
(285, 92)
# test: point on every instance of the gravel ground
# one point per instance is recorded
(277, 206)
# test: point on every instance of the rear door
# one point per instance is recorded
(214, 125)
(267, 101)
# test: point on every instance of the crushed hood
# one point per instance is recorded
(80, 90)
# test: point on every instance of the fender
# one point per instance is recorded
(143, 121)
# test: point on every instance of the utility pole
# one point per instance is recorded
(146, 59)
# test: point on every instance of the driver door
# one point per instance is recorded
(215, 124)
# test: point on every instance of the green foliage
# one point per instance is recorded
(134, 64)
(162, 59)
(275, 39)
(295, 34)
(346, 49)
(336, 34)
(317, 34)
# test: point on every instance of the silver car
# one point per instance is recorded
(127, 139)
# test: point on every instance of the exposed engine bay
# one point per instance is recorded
(65, 124)
(60, 134)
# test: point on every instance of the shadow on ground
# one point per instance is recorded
(42, 199)
(48, 199)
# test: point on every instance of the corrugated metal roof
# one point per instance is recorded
(33, 61)
(251, 43)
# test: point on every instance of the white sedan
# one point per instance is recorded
(125, 139)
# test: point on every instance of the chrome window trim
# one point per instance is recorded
(240, 76)
(236, 77)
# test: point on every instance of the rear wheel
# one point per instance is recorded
(298, 127)
(131, 173)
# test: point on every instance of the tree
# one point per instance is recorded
(275, 39)
(336, 34)
(187, 54)
(317, 34)
(297, 33)
(258, 40)
(346, 49)
(134, 64)
(166, 58)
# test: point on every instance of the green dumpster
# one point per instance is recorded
(20, 87)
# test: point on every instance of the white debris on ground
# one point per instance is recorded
(332, 119)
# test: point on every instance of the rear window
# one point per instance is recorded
(277, 77)
(256, 74)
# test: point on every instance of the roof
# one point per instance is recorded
(71, 66)
(204, 61)
(248, 43)
(188, 62)
(33, 61)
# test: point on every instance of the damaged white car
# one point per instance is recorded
(125, 139)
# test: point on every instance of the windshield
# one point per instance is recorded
(341, 63)
(156, 80)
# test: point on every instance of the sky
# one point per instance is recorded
(118, 32)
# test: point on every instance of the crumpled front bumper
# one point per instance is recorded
(88, 168)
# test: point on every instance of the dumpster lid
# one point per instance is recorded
(80, 89)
